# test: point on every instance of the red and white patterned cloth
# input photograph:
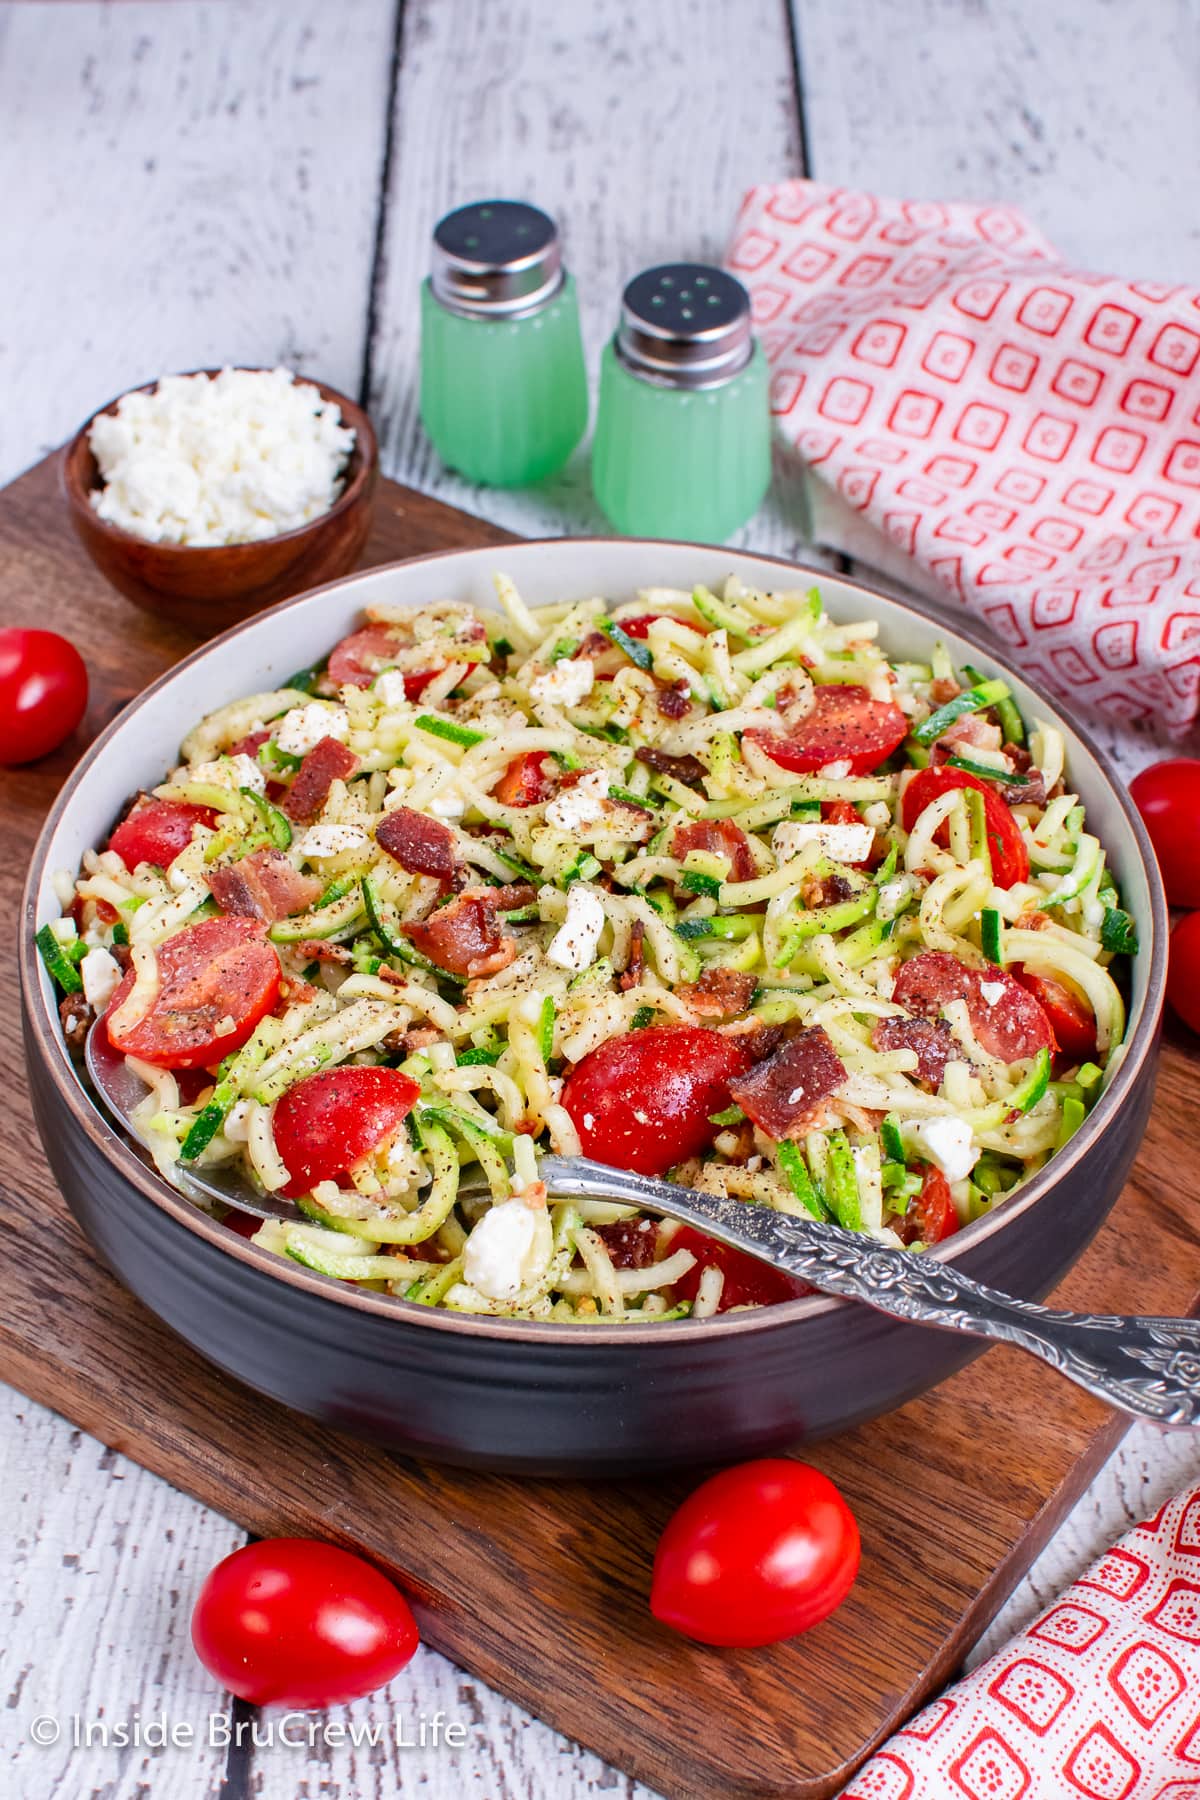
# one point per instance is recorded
(1023, 435)
(1100, 1697)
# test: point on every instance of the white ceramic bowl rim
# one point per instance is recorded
(143, 741)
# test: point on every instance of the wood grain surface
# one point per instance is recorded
(193, 181)
(539, 1588)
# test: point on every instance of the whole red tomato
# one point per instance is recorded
(292, 1622)
(758, 1553)
(1183, 970)
(1168, 797)
(43, 693)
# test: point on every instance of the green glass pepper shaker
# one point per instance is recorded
(503, 388)
(683, 430)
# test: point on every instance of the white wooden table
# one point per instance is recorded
(255, 180)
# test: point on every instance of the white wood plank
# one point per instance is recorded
(1085, 115)
(104, 1562)
(180, 186)
(637, 127)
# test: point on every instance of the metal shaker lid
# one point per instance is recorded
(685, 325)
(496, 259)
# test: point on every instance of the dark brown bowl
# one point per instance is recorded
(513, 1394)
(207, 589)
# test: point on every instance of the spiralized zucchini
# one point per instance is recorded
(630, 738)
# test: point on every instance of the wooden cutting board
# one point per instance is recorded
(539, 1588)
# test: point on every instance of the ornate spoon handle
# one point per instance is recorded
(1144, 1366)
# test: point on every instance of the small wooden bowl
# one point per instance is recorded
(208, 588)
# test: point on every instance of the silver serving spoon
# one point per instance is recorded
(1144, 1366)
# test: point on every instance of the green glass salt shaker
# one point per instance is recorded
(503, 388)
(683, 431)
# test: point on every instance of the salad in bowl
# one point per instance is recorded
(707, 886)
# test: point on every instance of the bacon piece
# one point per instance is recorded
(264, 886)
(781, 1093)
(932, 1039)
(419, 844)
(673, 700)
(464, 937)
(943, 689)
(76, 1016)
(719, 993)
(321, 950)
(632, 973)
(688, 769)
(251, 744)
(631, 1243)
(328, 761)
(719, 837)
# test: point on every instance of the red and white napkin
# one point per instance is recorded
(1100, 1697)
(993, 427)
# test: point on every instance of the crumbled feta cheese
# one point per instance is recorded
(589, 1121)
(843, 843)
(992, 991)
(448, 806)
(389, 688)
(229, 772)
(506, 1250)
(333, 840)
(245, 454)
(101, 975)
(580, 805)
(947, 1143)
(567, 683)
(837, 771)
(574, 944)
(878, 814)
(302, 729)
(237, 1122)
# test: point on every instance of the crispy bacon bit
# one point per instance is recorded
(932, 1039)
(673, 700)
(419, 844)
(688, 769)
(779, 1094)
(825, 890)
(718, 837)
(464, 937)
(594, 645)
(328, 761)
(263, 886)
(76, 1016)
(631, 1243)
(632, 974)
(943, 689)
(719, 993)
(321, 950)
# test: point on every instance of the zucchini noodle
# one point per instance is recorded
(606, 788)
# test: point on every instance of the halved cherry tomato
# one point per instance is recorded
(1072, 1019)
(528, 780)
(359, 658)
(639, 625)
(1010, 859)
(1168, 797)
(748, 1282)
(292, 1622)
(158, 831)
(643, 1101)
(1183, 970)
(216, 981)
(933, 1208)
(845, 725)
(1006, 1018)
(719, 837)
(251, 744)
(328, 1123)
(43, 693)
(758, 1553)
